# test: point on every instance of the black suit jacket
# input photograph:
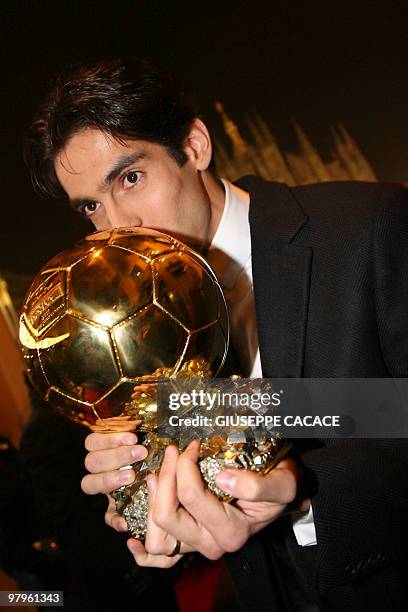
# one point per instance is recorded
(330, 271)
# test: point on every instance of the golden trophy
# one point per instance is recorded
(104, 322)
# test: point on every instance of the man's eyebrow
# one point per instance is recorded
(122, 163)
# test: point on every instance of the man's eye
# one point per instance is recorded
(131, 178)
(90, 208)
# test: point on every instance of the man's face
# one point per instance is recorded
(134, 183)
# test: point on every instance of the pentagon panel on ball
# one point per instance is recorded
(120, 308)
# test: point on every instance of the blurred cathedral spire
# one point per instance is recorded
(262, 155)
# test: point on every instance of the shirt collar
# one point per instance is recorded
(230, 249)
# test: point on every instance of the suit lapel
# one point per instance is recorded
(281, 275)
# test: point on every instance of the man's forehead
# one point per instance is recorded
(94, 144)
(98, 154)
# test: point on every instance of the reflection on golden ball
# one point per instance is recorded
(121, 308)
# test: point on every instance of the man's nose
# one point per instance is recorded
(118, 217)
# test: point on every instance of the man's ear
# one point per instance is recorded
(198, 146)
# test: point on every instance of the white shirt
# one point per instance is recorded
(230, 256)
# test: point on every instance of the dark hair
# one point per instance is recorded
(125, 98)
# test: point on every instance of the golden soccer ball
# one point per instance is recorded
(121, 308)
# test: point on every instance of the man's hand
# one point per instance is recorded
(107, 454)
(183, 507)
(180, 505)
(159, 542)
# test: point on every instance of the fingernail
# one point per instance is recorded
(126, 477)
(138, 452)
(129, 440)
(194, 444)
(130, 545)
(171, 451)
(226, 481)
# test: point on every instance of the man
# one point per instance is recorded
(316, 283)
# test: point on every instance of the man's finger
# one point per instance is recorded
(192, 492)
(112, 459)
(107, 481)
(279, 486)
(155, 536)
(174, 519)
(163, 504)
(166, 502)
(227, 526)
(113, 519)
(101, 441)
(145, 559)
(118, 523)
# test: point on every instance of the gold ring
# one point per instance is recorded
(176, 549)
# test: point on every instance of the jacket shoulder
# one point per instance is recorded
(351, 196)
(345, 196)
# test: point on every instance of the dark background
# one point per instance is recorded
(321, 63)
